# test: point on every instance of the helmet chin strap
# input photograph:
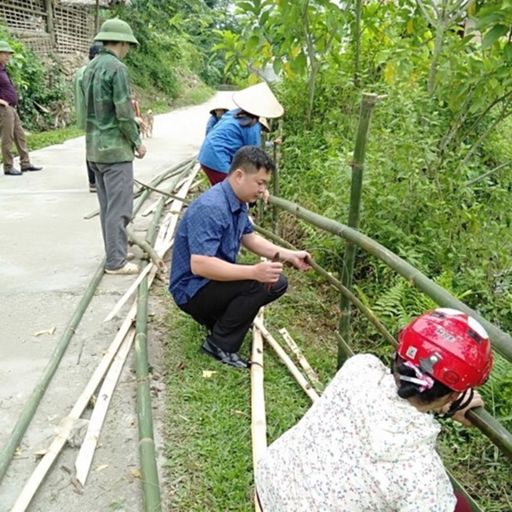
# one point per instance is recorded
(463, 401)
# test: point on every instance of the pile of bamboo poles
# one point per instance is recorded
(179, 181)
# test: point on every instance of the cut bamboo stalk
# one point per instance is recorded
(500, 340)
(131, 290)
(258, 415)
(85, 455)
(150, 483)
(304, 384)
(368, 102)
(259, 424)
(157, 261)
(310, 373)
(372, 317)
(33, 402)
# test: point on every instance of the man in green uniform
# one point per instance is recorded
(112, 139)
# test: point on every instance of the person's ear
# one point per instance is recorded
(238, 174)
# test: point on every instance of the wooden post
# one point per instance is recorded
(367, 103)
(50, 27)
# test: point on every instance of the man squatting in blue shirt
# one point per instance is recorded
(206, 282)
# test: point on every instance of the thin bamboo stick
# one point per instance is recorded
(85, 455)
(142, 196)
(501, 341)
(150, 483)
(310, 373)
(33, 402)
(368, 102)
(487, 424)
(372, 317)
(304, 384)
(258, 415)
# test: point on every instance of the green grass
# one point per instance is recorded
(208, 446)
(39, 140)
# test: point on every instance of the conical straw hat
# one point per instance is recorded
(264, 122)
(222, 105)
(258, 100)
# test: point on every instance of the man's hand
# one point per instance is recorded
(460, 416)
(140, 151)
(267, 271)
(301, 260)
(4, 103)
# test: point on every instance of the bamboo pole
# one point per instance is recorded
(258, 415)
(155, 258)
(33, 402)
(85, 455)
(142, 196)
(310, 373)
(501, 341)
(150, 483)
(372, 317)
(304, 384)
(368, 102)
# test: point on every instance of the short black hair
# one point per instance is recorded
(251, 159)
(95, 49)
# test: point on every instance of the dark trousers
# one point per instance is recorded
(213, 176)
(227, 308)
(90, 174)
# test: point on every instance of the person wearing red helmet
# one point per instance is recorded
(368, 444)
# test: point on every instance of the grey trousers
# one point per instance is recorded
(114, 187)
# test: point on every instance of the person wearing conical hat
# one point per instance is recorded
(112, 139)
(216, 113)
(237, 128)
(11, 129)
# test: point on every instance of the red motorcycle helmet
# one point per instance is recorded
(450, 346)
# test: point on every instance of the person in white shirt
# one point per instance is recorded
(368, 444)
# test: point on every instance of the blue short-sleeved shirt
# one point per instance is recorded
(229, 136)
(213, 225)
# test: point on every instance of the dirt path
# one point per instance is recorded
(47, 257)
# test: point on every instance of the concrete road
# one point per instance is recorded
(48, 253)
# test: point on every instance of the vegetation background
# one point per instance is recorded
(436, 191)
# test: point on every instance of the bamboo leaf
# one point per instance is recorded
(493, 35)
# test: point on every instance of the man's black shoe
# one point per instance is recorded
(12, 171)
(31, 168)
(230, 358)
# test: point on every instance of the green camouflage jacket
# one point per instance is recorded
(111, 133)
(79, 97)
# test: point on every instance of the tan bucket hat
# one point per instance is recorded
(258, 100)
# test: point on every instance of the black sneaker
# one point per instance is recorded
(229, 358)
(12, 171)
